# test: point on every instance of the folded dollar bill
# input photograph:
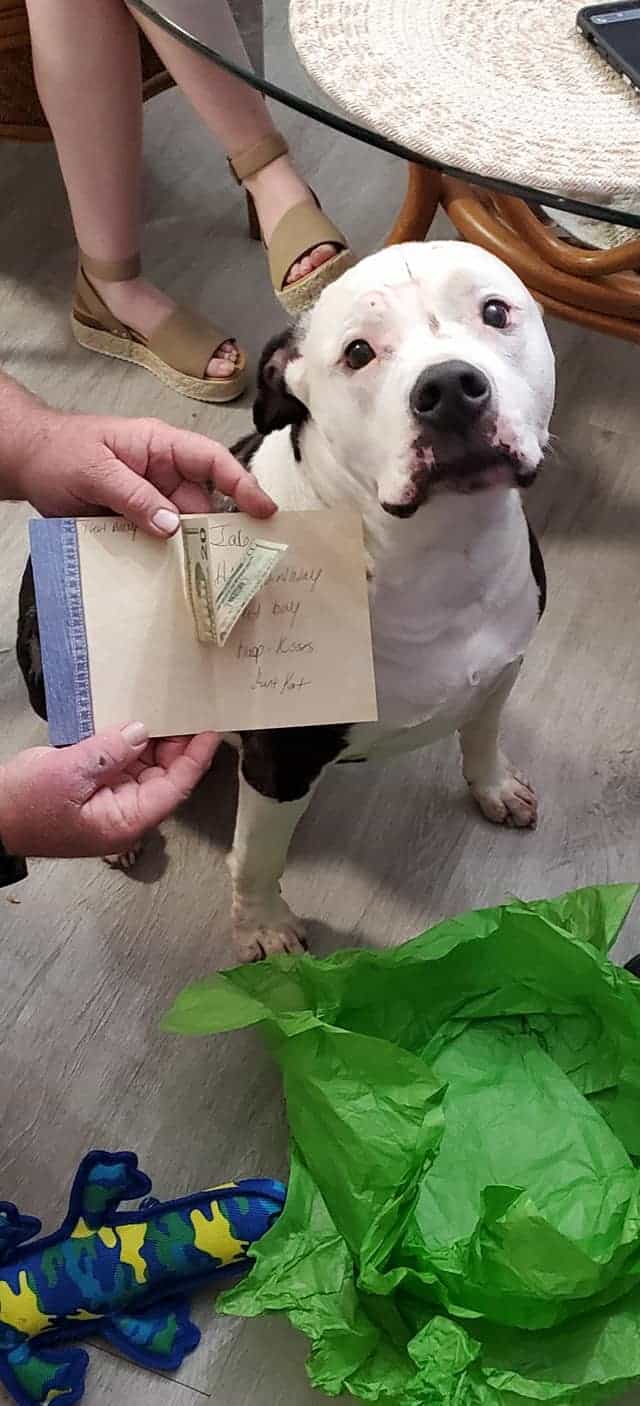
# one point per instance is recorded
(216, 611)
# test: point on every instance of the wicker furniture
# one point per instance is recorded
(509, 90)
(503, 112)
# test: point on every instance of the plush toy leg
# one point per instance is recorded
(103, 1180)
(35, 1376)
(158, 1337)
(14, 1228)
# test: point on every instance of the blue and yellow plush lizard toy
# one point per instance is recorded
(123, 1275)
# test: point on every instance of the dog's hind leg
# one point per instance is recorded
(279, 771)
(502, 792)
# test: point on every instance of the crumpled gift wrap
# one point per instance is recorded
(463, 1217)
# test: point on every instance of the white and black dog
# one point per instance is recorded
(418, 391)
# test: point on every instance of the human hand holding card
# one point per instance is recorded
(118, 636)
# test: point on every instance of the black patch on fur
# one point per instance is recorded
(244, 449)
(28, 643)
(283, 762)
(294, 435)
(274, 406)
(537, 567)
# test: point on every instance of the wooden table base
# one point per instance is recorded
(595, 288)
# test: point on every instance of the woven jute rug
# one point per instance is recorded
(21, 116)
(505, 88)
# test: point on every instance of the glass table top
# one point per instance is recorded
(266, 59)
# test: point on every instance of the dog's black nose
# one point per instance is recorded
(450, 396)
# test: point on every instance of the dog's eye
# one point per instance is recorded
(495, 313)
(359, 354)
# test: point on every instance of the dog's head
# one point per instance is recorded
(426, 368)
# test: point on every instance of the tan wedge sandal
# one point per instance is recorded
(179, 350)
(302, 229)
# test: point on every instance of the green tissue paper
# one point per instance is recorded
(463, 1217)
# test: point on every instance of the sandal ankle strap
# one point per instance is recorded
(247, 163)
(115, 271)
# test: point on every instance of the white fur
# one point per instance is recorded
(454, 603)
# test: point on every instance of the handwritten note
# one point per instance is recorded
(299, 656)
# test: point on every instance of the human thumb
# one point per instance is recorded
(101, 760)
(130, 495)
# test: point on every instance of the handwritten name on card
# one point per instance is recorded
(299, 656)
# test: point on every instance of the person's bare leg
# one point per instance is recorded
(238, 117)
(87, 64)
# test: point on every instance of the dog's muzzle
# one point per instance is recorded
(456, 448)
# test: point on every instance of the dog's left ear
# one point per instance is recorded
(275, 406)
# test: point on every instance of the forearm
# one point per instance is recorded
(24, 422)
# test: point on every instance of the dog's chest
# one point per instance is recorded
(454, 604)
(443, 635)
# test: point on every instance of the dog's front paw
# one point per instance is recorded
(510, 801)
(260, 931)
